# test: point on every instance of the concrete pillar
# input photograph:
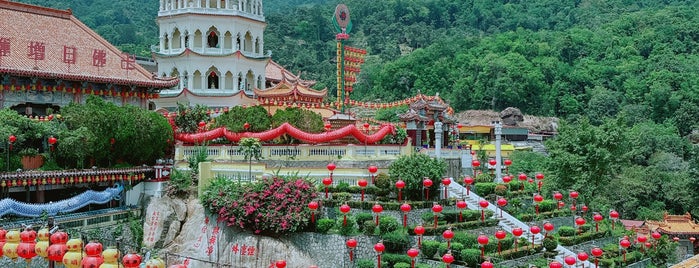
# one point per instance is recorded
(498, 151)
(438, 139)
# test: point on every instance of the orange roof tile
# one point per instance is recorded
(675, 224)
(23, 24)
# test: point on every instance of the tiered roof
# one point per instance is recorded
(675, 225)
(293, 88)
(49, 43)
(275, 73)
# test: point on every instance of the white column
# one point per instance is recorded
(208, 4)
(498, 151)
(182, 41)
(162, 43)
(438, 139)
(169, 42)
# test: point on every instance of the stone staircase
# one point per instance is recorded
(508, 222)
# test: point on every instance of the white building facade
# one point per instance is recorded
(215, 47)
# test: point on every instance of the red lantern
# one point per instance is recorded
(280, 264)
(461, 205)
(534, 230)
(366, 125)
(501, 203)
(377, 209)
(327, 182)
(582, 256)
(475, 163)
(344, 209)
(517, 232)
(379, 248)
(202, 124)
(26, 248)
(580, 221)
(487, 264)
(362, 184)
(656, 235)
(492, 162)
(468, 180)
(555, 264)
(448, 259)
(419, 231)
(93, 250)
(558, 196)
(573, 195)
(52, 141)
(446, 182)
(507, 162)
(482, 241)
(539, 176)
(597, 218)
(327, 126)
(548, 227)
(3, 233)
(506, 179)
(351, 244)
(412, 253)
(625, 243)
(448, 234)
(436, 209)
(400, 184)
(614, 216)
(538, 199)
(12, 140)
(58, 246)
(676, 239)
(570, 260)
(500, 235)
(246, 126)
(331, 167)
(405, 208)
(427, 183)
(522, 178)
(313, 206)
(643, 239)
(483, 204)
(372, 170)
(597, 252)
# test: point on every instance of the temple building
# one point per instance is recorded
(215, 47)
(423, 112)
(681, 228)
(48, 59)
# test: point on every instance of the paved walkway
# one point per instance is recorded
(508, 222)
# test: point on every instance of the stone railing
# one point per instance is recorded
(305, 152)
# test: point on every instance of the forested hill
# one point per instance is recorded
(572, 57)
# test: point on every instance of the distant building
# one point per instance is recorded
(48, 59)
(215, 47)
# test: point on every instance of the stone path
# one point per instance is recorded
(508, 222)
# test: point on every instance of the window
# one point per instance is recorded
(213, 81)
(212, 40)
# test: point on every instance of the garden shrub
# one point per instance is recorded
(368, 227)
(585, 228)
(383, 181)
(485, 188)
(547, 205)
(456, 249)
(430, 248)
(501, 189)
(412, 169)
(363, 216)
(349, 229)
(471, 256)
(401, 265)
(324, 225)
(270, 206)
(342, 196)
(388, 224)
(466, 239)
(577, 239)
(566, 231)
(483, 178)
(393, 258)
(366, 263)
(341, 187)
(550, 243)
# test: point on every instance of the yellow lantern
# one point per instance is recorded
(74, 256)
(111, 258)
(10, 248)
(42, 246)
(155, 263)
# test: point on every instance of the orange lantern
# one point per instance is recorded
(111, 258)
(43, 245)
(58, 246)
(26, 248)
(10, 248)
(74, 256)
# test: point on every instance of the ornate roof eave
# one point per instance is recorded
(292, 89)
(187, 51)
(158, 83)
(188, 92)
(412, 115)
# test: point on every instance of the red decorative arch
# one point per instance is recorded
(287, 128)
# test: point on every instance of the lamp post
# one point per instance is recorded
(498, 149)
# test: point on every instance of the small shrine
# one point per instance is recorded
(425, 115)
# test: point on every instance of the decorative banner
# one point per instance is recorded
(287, 128)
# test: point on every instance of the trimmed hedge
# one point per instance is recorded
(324, 225)
(396, 242)
(430, 248)
(584, 237)
(429, 230)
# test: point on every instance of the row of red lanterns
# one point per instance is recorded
(72, 180)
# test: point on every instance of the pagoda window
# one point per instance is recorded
(241, 85)
(228, 82)
(249, 80)
(197, 82)
(166, 42)
(212, 39)
(212, 83)
(257, 45)
(198, 39)
(228, 41)
(186, 40)
(176, 39)
(259, 81)
(248, 42)
(237, 42)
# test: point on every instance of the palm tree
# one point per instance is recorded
(250, 148)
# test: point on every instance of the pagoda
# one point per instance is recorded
(48, 59)
(215, 47)
(293, 92)
(423, 112)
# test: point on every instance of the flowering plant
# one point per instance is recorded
(271, 206)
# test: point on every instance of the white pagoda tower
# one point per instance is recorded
(215, 47)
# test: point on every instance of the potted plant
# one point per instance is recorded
(31, 159)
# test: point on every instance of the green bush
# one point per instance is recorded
(585, 228)
(393, 258)
(550, 243)
(401, 265)
(396, 242)
(341, 196)
(547, 205)
(368, 227)
(362, 217)
(430, 248)
(341, 187)
(466, 239)
(501, 189)
(471, 256)
(456, 249)
(324, 225)
(566, 231)
(349, 229)
(483, 178)
(485, 188)
(412, 168)
(388, 224)
(366, 263)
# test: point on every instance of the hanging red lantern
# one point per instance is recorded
(517, 232)
(597, 252)
(483, 204)
(487, 264)
(448, 234)
(502, 202)
(26, 248)
(597, 218)
(500, 235)
(344, 209)
(580, 221)
(534, 230)
(377, 209)
(3, 233)
(362, 184)
(405, 208)
(446, 182)
(461, 205)
(280, 264)
(327, 182)
(58, 246)
(492, 162)
(558, 196)
(625, 243)
(468, 180)
(246, 126)
(436, 209)
(537, 199)
(400, 184)
(372, 170)
(12, 139)
(570, 260)
(482, 241)
(412, 253)
(555, 264)
(548, 227)
(131, 260)
(351, 244)
(506, 179)
(419, 231)
(448, 258)
(656, 235)
(313, 206)
(613, 215)
(582, 256)
(93, 252)
(379, 248)
(52, 141)
(475, 163)
(427, 183)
